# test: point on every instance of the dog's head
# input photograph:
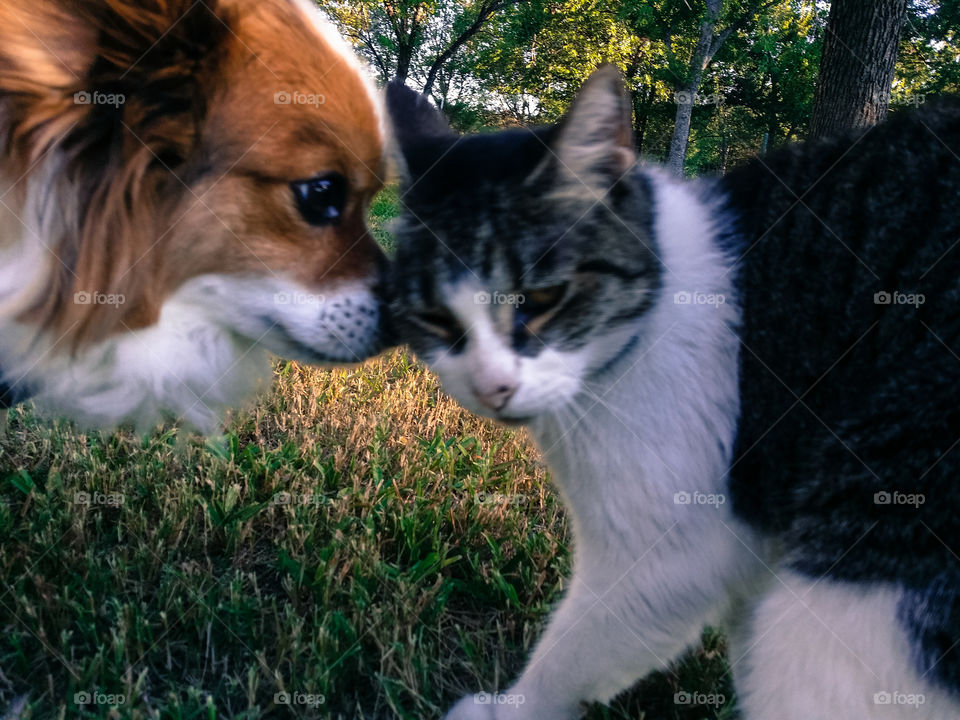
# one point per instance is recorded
(181, 183)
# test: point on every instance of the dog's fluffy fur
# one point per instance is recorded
(151, 246)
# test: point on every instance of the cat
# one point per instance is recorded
(747, 390)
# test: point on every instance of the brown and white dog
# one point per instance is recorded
(183, 186)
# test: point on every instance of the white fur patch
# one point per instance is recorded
(823, 649)
(183, 367)
(25, 235)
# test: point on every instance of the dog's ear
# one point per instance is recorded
(45, 52)
(418, 127)
(108, 98)
(70, 69)
(594, 143)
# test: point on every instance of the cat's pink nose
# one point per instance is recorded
(495, 396)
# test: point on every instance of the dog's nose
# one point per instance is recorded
(497, 395)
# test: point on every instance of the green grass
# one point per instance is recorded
(338, 540)
(382, 211)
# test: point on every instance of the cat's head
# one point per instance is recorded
(525, 257)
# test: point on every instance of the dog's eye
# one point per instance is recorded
(321, 199)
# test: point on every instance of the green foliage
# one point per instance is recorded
(929, 61)
(530, 57)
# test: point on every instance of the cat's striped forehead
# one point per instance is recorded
(505, 237)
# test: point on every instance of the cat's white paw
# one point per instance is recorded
(511, 705)
(473, 707)
(490, 706)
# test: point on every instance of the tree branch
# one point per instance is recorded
(485, 13)
(720, 39)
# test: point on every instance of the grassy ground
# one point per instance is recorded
(355, 546)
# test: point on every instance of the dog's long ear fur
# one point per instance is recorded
(45, 51)
(112, 92)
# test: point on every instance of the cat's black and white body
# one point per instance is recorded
(709, 414)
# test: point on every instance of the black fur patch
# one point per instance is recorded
(849, 442)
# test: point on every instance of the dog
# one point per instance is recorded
(183, 190)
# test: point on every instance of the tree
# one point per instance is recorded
(858, 64)
(929, 50)
(404, 38)
(708, 41)
(707, 45)
(495, 63)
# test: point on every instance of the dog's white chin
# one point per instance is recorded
(209, 351)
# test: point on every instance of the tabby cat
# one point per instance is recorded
(747, 390)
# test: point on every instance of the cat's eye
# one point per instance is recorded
(539, 300)
(321, 199)
(440, 322)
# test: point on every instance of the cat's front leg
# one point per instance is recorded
(599, 641)
(626, 614)
(556, 679)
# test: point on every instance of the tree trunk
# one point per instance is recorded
(856, 70)
(404, 58)
(687, 94)
(681, 129)
(642, 101)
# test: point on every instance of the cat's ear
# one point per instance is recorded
(416, 123)
(594, 142)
